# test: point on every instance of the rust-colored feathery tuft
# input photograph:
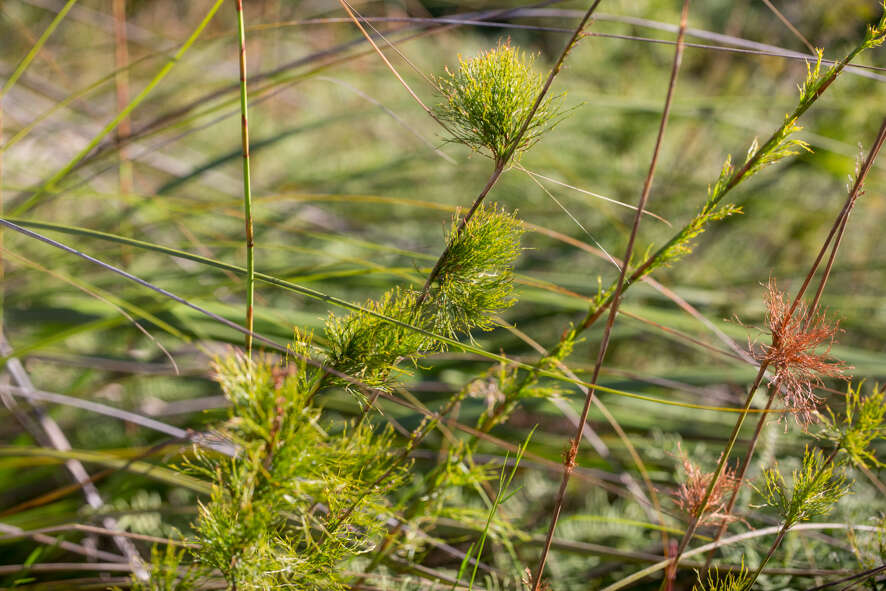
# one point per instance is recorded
(690, 495)
(797, 368)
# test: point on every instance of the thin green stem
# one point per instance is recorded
(247, 187)
(35, 49)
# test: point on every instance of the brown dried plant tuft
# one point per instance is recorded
(797, 368)
(691, 494)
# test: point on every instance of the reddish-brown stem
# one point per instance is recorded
(569, 464)
(121, 84)
(247, 186)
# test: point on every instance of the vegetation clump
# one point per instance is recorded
(296, 499)
(488, 99)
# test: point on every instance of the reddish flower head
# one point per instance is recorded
(690, 495)
(797, 368)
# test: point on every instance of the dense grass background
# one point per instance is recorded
(353, 189)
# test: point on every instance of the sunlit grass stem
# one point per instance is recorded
(247, 186)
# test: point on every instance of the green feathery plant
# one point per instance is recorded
(820, 482)
(296, 500)
(488, 98)
(817, 486)
(863, 421)
(495, 102)
(168, 572)
(474, 283)
(729, 581)
(267, 521)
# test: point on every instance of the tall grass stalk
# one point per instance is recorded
(247, 185)
(571, 454)
(121, 84)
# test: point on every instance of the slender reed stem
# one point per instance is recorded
(569, 464)
(247, 187)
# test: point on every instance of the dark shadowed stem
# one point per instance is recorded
(247, 188)
(860, 575)
(503, 159)
(569, 464)
(837, 229)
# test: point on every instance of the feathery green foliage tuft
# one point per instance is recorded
(729, 581)
(367, 347)
(862, 423)
(817, 486)
(875, 35)
(476, 278)
(475, 281)
(168, 573)
(489, 97)
(267, 521)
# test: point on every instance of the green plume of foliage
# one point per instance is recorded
(817, 486)
(476, 278)
(862, 423)
(729, 581)
(167, 572)
(294, 501)
(489, 97)
(267, 523)
(474, 283)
